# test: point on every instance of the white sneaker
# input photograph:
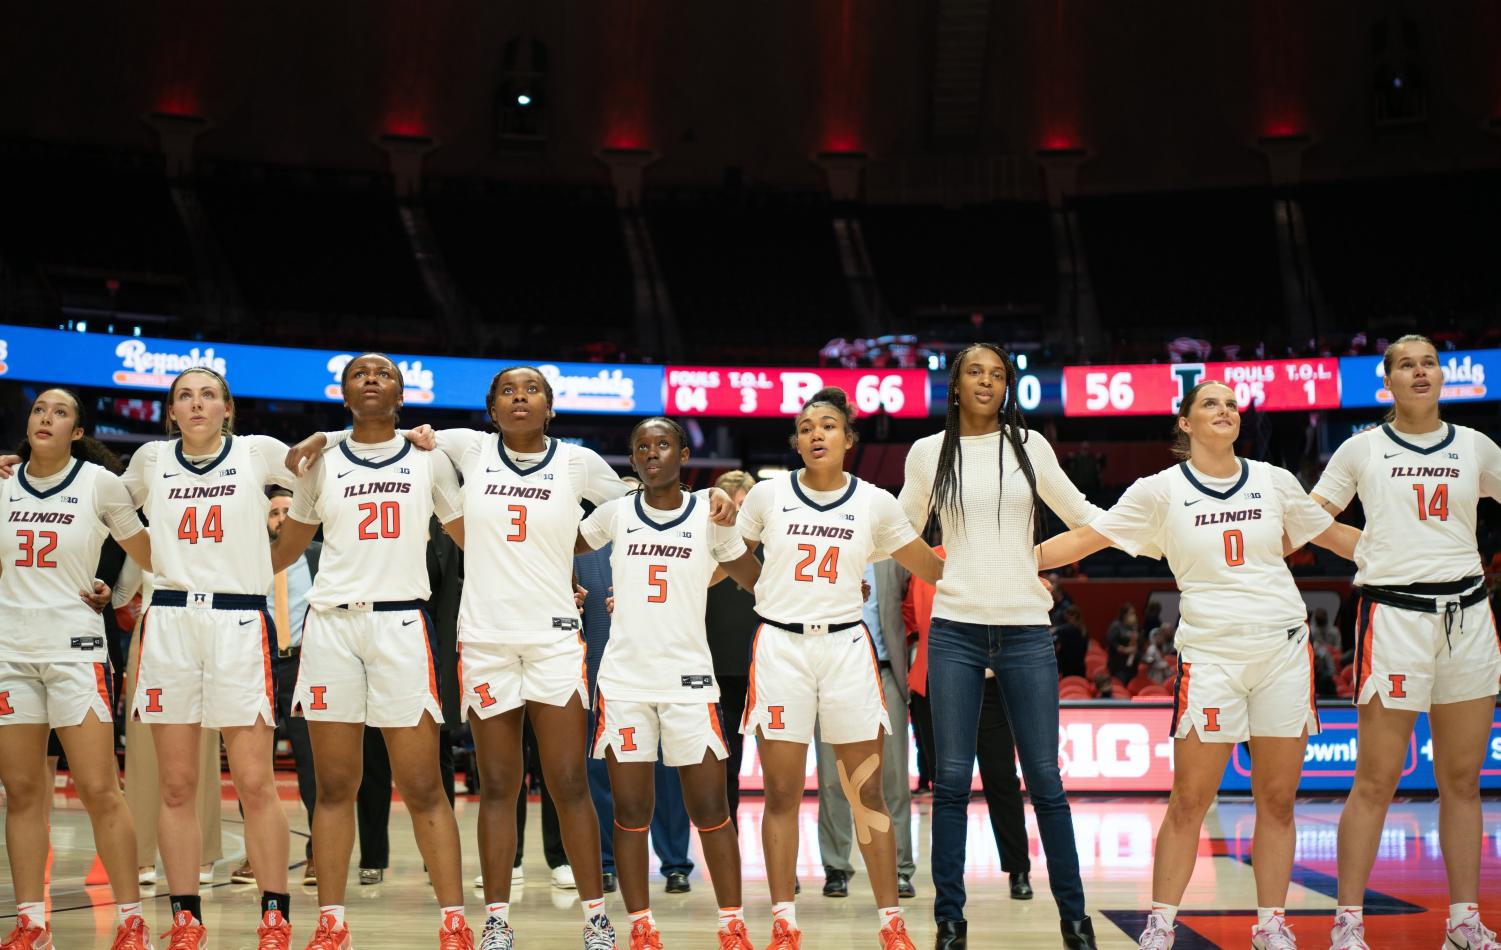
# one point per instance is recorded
(517, 877)
(562, 878)
(1158, 935)
(146, 877)
(206, 876)
(1348, 933)
(1471, 934)
(1275, 934)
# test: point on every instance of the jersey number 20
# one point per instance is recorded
(388, 513)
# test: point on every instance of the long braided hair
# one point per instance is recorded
(948, 483)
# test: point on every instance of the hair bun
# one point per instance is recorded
(835, 397)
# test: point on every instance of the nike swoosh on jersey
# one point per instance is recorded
(407, 623)
(492, 471)
(170, 474)
(244, 622)
(15, 499)
(793, 508)
(342, 474)
(635, 529)
(1194, 502)
(1390, 455)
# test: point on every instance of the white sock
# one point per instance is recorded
(643, 915)
(336, 911)
(888, 914)
(445, 912)
(34, 911)
(1357, 911)
(1458, 912)
(125, 911)
(499, 909)
(1168, 912)
(1265, 914)
(727, 914)
(593, 909)
(787, 910)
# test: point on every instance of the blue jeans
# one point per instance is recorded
(1026, 670)
(669, 818)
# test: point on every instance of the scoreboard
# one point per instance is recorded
(1157, 389)
(768, 391)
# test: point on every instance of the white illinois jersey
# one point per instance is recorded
(1419, 493)
(1224, 544)
(208, 520)
(375, 503)
(521, 520)
(817, 545)
(659, 646)
(49, 550)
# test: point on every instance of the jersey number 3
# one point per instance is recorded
(828, 566)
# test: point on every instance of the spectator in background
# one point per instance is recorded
(1071, 642)
(731, 622)
(1123, 642)
(1084, 468)
(1160, 655)
(1061, 600)
(1152, 618)
(1323, 631)
(1106, 687)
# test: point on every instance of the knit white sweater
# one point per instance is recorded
(991, 574)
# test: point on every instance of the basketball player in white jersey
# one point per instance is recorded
(656, 679)
(520, 638)
(1245, 659)
(206, 630)
(56, 513)
(812, 658)
(1425, 635)
(367, 641)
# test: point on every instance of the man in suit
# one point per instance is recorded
(883, 616)
(287, 601)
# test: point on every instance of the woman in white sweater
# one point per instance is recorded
(984, 480)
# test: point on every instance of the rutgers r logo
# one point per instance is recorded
(1211, 719)
(1399, 685)
(5, 707)
(628, 739)
(483, 692)
(318, 702)
(776, 717)
(154, 700)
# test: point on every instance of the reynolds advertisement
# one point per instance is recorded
(1465, 375)
(268, 372)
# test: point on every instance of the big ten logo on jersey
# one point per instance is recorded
(418, 381)
(226, 472)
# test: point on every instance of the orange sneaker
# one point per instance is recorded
(644, 936)
(186, 933)
(455, 934)
(132, 935)
(733, 936)
(894, 936)
(783, 937)
(330, 935)
(274, 933)
(28, 938)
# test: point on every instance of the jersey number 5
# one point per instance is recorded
(212, 528)
(31, 555)
(828, 567)
(657, 581)
(1436, 506)
(1235, 548)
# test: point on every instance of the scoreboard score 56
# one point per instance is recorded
(1158, 389)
